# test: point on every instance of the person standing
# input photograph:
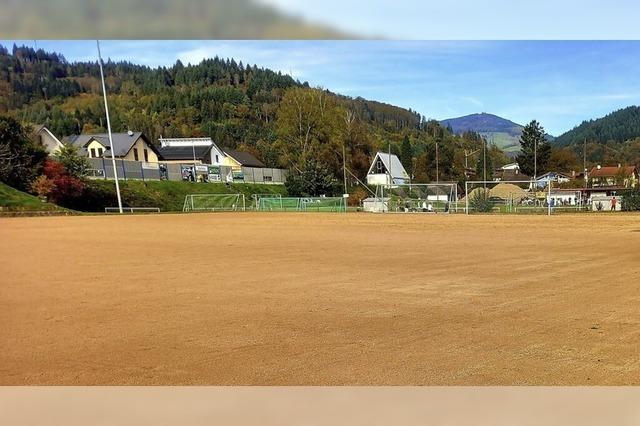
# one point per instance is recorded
(614, 202)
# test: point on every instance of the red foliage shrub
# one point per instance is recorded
(66, 187)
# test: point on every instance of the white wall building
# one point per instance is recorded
(217, 155)
(383, 167)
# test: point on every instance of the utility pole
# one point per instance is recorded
(106, 110)
(484, 168)
(344, 167)
(437, 164)
(584, 161)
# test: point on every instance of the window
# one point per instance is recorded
(268, 178)
(135, 154)
(93, 153)
(100, 152)
(217, 159)
(146, 155)
(380, 167)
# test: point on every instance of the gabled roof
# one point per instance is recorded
(392, 164)
(611, 171)
(555, 174)
(185, 152)
(244, 158)
(122, 142)
(37, 128)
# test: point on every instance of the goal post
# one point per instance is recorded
(302, 204)
(255, 199)
(414, 198)
(214, 203)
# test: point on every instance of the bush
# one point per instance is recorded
(480, 201)
(42, 186)
(67, 189)
(631, 200)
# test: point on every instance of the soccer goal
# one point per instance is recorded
(515, 196)
(257, 197)
(132, 210)
(214, 203)
(302, 204)
(414, 198)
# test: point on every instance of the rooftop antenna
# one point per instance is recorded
(106, 110)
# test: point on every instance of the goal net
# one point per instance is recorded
(255, 198)
(214, 203)
(515, 196)
(302, 204)
(414, 198)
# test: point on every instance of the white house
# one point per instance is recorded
(543, 180)
(383, 167)
(182, 149)
(47, 139)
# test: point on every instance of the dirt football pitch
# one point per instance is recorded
(320, 299)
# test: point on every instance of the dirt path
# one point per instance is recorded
(265, 299)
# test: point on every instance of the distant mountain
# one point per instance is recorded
(505, 134)
(619, 126)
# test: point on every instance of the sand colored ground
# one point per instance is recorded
(265, 299)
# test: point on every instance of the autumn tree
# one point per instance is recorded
(307, 125)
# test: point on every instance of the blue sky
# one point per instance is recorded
(557, 83)
(473, 19)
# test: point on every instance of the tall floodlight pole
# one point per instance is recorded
(193, 147)
(584, 161)
(344, 167)
(106, 110)
(437, 164)
(484, 161)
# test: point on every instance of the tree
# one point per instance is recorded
(307, 121)
(21, 159)
(75, 164)
(563, 160)
(406, 155)
(66, 188)
(315, 180)
(535, 150)
(42, 186)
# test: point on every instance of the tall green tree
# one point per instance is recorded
(535, 150)
(75, 164)
(406, 155)
(21, 159)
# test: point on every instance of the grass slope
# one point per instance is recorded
(169, 195)
(13, 200)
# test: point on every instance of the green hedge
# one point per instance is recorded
(631, 200)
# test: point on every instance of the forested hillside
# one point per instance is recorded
(612, 139)
(619, 126)
(239, 105)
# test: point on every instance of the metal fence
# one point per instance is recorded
(102, 168)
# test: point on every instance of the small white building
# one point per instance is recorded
(47, 139)
(383, 167)
(183, 147)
